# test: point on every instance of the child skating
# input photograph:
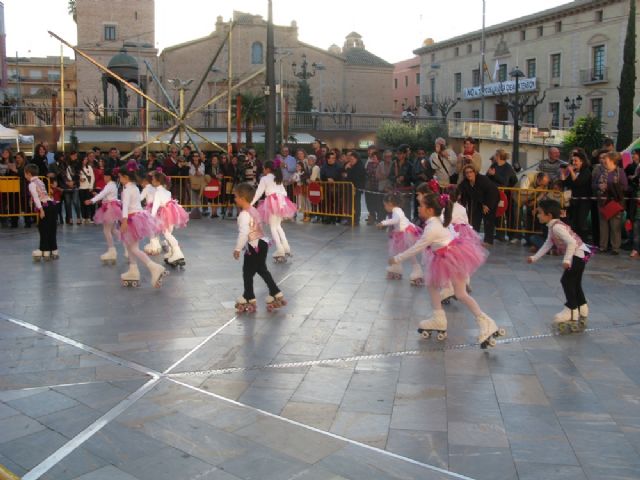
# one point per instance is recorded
(402, 236)
(108, 215)
(251, 240)
(274, 208)
(447, 260)
(171, 215)
(573, 316)
(135, 225)
(48, 213)
(146, 197)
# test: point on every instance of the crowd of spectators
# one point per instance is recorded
(597, 192)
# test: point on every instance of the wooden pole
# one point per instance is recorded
(229, 85)
(62, 97)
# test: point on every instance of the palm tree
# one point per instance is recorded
(71, 9)
(253, 111)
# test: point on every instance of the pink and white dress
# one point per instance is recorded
(168, 212)
(140, 223)
(110, 210)
(276, 202)
(460, 225)
(147, 195)
(446, 258)
(403, 234)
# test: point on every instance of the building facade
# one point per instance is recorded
(406, 85)
(347, 79)
(574, 50)
(31, 81)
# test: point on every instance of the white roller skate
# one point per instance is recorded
(279, 256)
(243, 305)
(568, 321)
(436, 324)
(158, 272)
(109, 257)
(447, 294)
(176, 259)
(46, 256)
(131, 278)
(55, 255)
(583, 311)
(36, 255)
(275, 302)
(416, 278)
(153, 247)
(394, 272)
(489, 331)
(165, 246)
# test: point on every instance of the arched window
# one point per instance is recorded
(256, 53)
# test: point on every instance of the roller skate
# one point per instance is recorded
(109, 257)
(158, 272)
(416, 278)
(153, 247)
(583, 313)
(46, 256)
(436, 324)
(243, 305)
(275, 302)
(568, 321)
(394, 272)
(55, 255)
(279, 257)
(164, 245)
(489, 331)
(131, 278)
(36, 255)
(176, 260)
(446, 294)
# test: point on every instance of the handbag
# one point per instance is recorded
(611, 209)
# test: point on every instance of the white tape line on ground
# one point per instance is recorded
(327, 434)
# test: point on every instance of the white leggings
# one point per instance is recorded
(135, 252)
(171, 240)
(280, 239)
(107, 229)
(460, 290)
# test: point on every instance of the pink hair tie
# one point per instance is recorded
(434, 186)
(444, 200)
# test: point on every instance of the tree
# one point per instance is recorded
(626, 90)
(395, 133)
(442, 105)
(71, 9)
(304, 100)
(586, 133)
(253, 111)
(526, 103)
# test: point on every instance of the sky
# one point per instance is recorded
(389, 32)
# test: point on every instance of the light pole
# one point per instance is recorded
(320, 67)
(517, 74)
(214, 71)
(270, 90)
(283, 54)
(482, 54)
(571, 105)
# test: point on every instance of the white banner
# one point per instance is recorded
(502, 88)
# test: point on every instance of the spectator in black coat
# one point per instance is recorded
(480, 196)
(357, 175)
(577, 178)
(503, 175)
(40, 159)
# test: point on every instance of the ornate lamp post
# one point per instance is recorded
(304, 73)
(571, 105)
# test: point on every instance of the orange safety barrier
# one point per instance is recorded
(329, 199)
(15, 200)
(199, 192)
(522, 204)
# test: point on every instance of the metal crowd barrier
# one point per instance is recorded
(520, 214)
(336, 199)
(188, 197)
(15, 200)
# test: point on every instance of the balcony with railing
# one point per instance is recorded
(594, 75)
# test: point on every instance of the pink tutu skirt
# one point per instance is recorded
(172, 215)
(139, 225)
(457, 261)
(109, 212)
(466, 233)
(400, 241)
(278, 205)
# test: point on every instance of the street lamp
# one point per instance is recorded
(282, 55)
(304, 73)
(571, 105)
(320, 67)
(517, 74)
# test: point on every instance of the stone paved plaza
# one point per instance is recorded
(100, 382)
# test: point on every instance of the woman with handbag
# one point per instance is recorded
(197, 182)
(609, 184)
(577, 178)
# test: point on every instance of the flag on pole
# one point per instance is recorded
(485, 69)
(496, 70)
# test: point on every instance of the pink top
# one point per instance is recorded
(250, 228)
(38, 192)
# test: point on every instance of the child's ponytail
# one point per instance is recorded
(447, 205)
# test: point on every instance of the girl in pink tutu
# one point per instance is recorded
(146, 197)
(447, 259)
(460, 228)
(108, 214)
(136, 224)
(403, 235)
(274, 208)
(170, 215)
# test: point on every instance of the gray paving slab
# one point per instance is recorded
(552, 407)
